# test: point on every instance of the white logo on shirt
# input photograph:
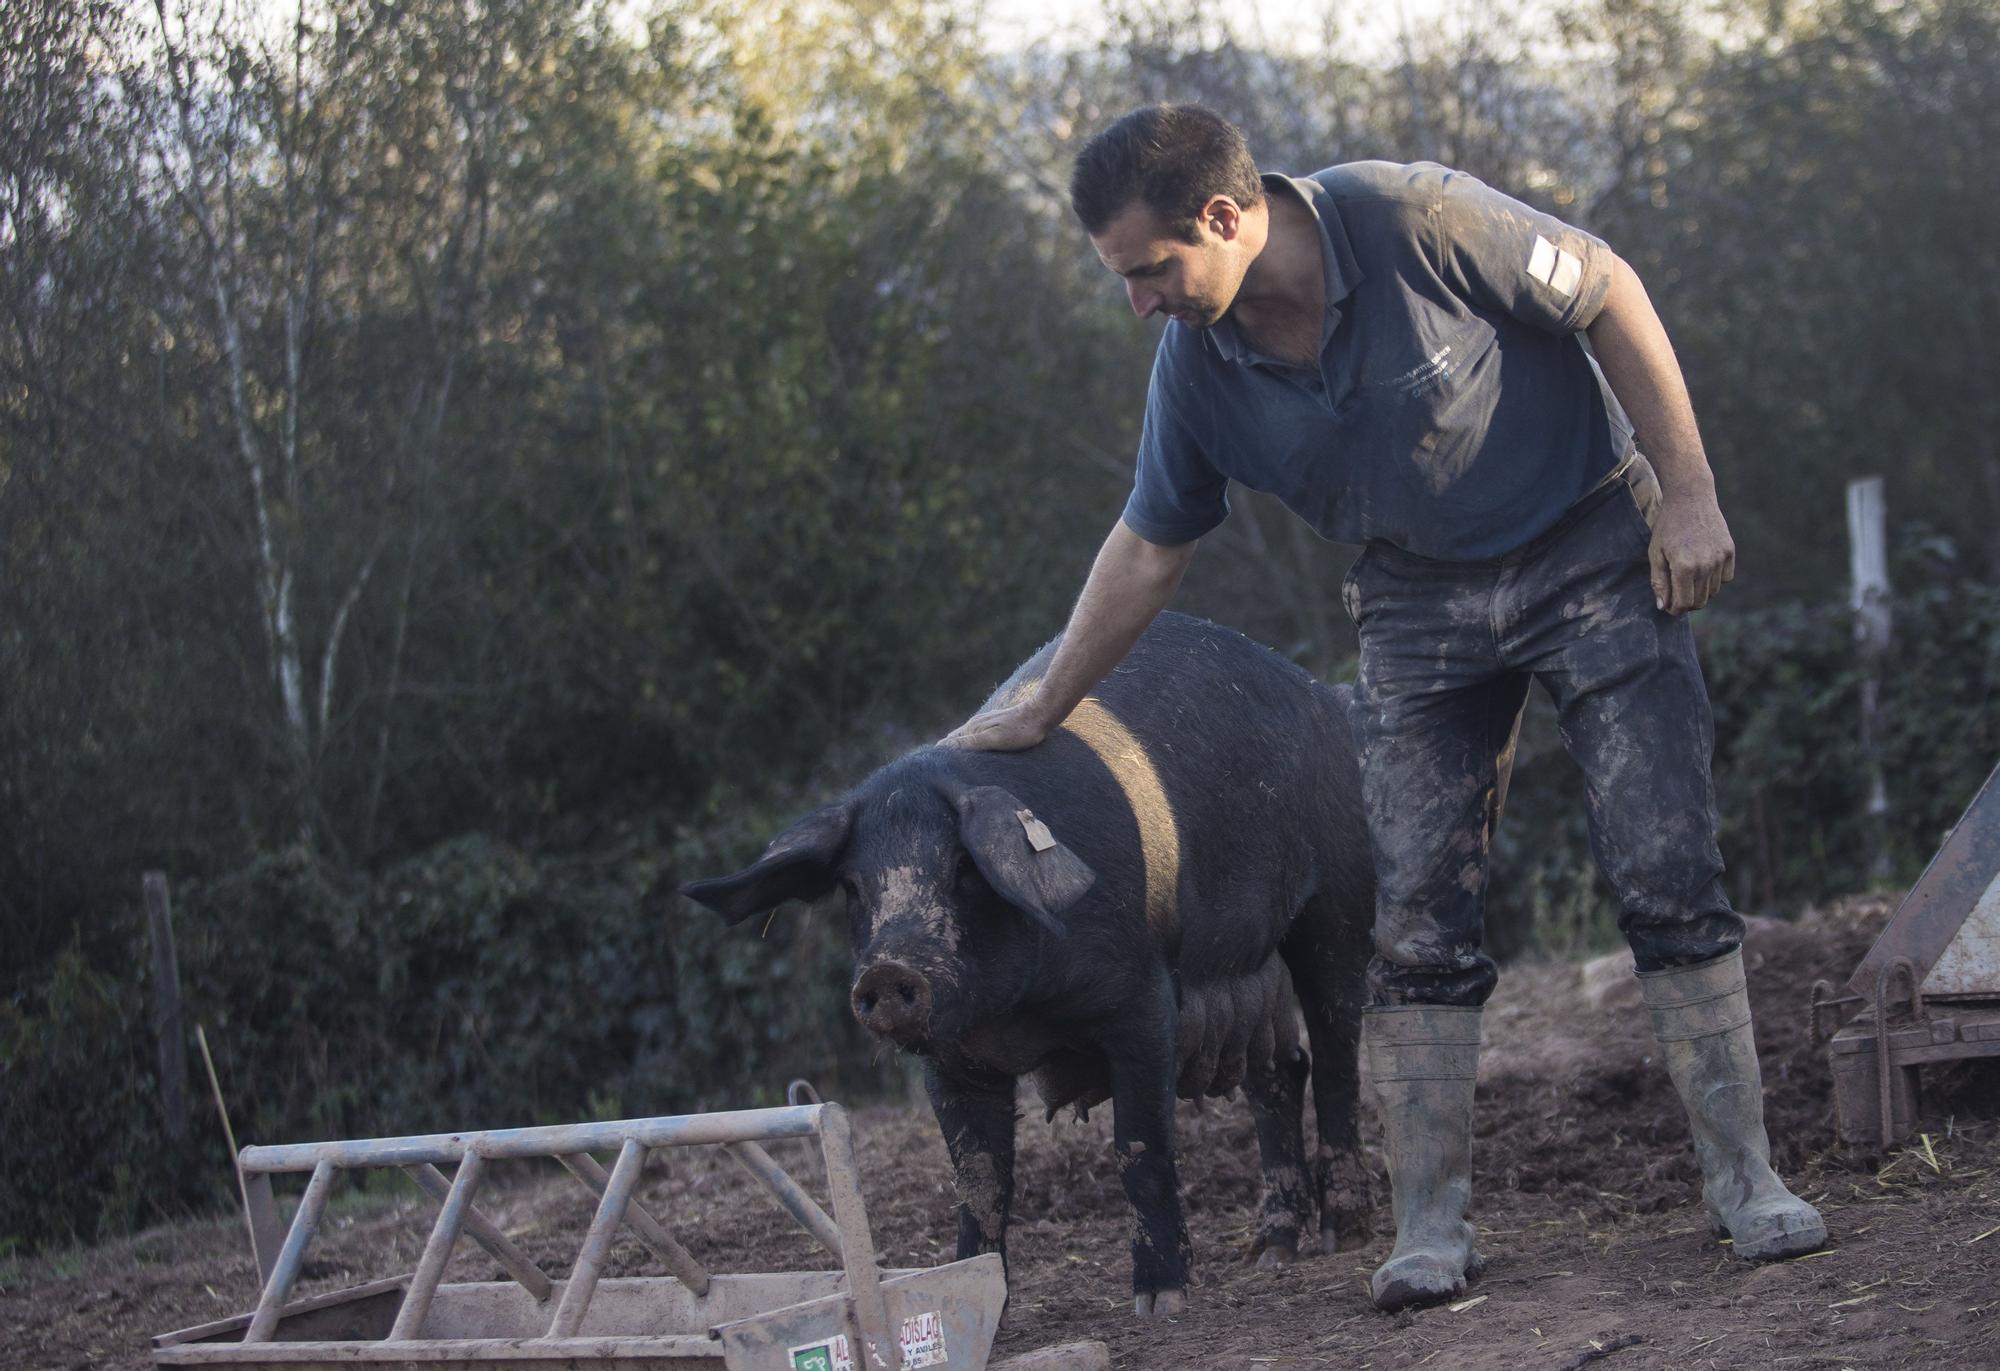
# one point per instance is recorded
(1434, 370)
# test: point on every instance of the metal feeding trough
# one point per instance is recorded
(853, 1318)
(1929, 989)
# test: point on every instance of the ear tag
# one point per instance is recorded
(1038, 833)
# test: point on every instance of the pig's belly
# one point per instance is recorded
(1226, 1026)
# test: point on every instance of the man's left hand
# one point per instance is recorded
(1001, 730)
(1692, 553)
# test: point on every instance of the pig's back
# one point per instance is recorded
(1239, 777)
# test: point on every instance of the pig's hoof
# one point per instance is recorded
(1277, 1254)
(1422, 1277)
(1159, 1303)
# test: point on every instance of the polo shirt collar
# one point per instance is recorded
(1340, 271)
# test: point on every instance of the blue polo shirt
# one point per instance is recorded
(1453, 414)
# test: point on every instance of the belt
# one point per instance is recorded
(1637, 473)
(1621, 472)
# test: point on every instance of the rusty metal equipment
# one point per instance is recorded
(1928, 990)
(856, 1317)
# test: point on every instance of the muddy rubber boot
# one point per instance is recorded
(1701, 1017)
(1422, 1060)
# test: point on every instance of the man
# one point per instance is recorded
(1392, 351)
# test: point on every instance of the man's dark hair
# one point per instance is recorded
(1171, 158)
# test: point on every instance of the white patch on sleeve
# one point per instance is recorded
(1568, 273)
(1543, 260)
(1559, 270)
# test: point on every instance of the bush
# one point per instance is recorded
(475, 986)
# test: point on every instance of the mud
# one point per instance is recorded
(1586, 1203)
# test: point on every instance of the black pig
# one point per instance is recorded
(1122, 912)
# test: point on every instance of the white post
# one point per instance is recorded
(1869, 559)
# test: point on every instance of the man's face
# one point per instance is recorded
(1194, 282)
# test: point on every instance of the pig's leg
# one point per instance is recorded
(1141, 1055)
(975, 1112)
(1275, 1080)
(1327, 951)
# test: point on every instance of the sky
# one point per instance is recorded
(1366, 29)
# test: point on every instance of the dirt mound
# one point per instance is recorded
(1586, 1203)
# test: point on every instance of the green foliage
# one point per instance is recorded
(471, 986)
(73, 1085)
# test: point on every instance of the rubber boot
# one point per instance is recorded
(1701, 1017)
(1422, 1060)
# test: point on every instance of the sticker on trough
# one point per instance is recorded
(831, 1355)
(923, 1340)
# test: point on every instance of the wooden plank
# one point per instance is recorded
(266, 1236)
(1860, 1037)
(1945, 1052)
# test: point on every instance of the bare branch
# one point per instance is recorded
(330, 657)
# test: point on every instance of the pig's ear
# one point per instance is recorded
(798, 865)
(1019, 857)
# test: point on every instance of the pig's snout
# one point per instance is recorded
(893, 1000)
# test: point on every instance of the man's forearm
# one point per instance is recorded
(1691, 551)
(1131, 582)
(1631, 346)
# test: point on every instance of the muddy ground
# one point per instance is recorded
(1586, 1195)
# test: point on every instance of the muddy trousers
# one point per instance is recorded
(1447, 653)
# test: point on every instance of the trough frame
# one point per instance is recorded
(857, 1315)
